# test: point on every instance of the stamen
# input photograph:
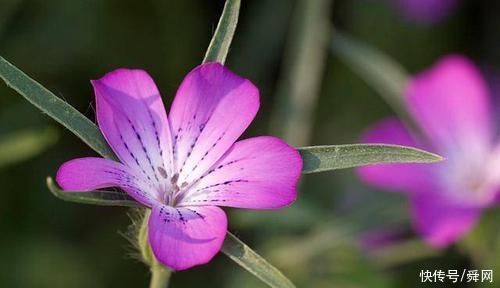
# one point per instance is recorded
(162, 171)
(174, 179)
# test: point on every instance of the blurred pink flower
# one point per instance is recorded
(426, 11)
(185, 166)
(450, 102)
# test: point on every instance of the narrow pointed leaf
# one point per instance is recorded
(325, 158)
(22, 145)
(221, 40)
(240, 253)
(316, 158)
(98, 197)
(55, 107)
(233, 247)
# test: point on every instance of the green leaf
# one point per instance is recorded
(240, 253)
(315, 158)
(379, 71)
(325, 158)
(232, 247)
(55, 107)
(221, 40)
(22, 145)
(98, 197)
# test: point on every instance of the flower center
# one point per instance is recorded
(170, 192)
(467, 181)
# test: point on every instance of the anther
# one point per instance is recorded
(162, 171)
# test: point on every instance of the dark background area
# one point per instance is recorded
(46, 242)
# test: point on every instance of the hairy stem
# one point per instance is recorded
(160, 275)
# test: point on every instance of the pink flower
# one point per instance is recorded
(450, 103)
(188, 164)
(426, 11)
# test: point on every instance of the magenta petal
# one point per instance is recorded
(426, 11)
(440, 221)
(394, 177)
(87, 174)
(451, 104)
(258, 173)
(491, 177)
(132, 117)
(185, 237)
(212, 108)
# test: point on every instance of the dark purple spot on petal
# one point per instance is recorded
(162, 172)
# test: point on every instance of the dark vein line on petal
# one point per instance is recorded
(139, 138)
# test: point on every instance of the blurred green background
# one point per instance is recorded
(318, 241)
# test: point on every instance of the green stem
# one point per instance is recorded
(160, 275)
(299, 86)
